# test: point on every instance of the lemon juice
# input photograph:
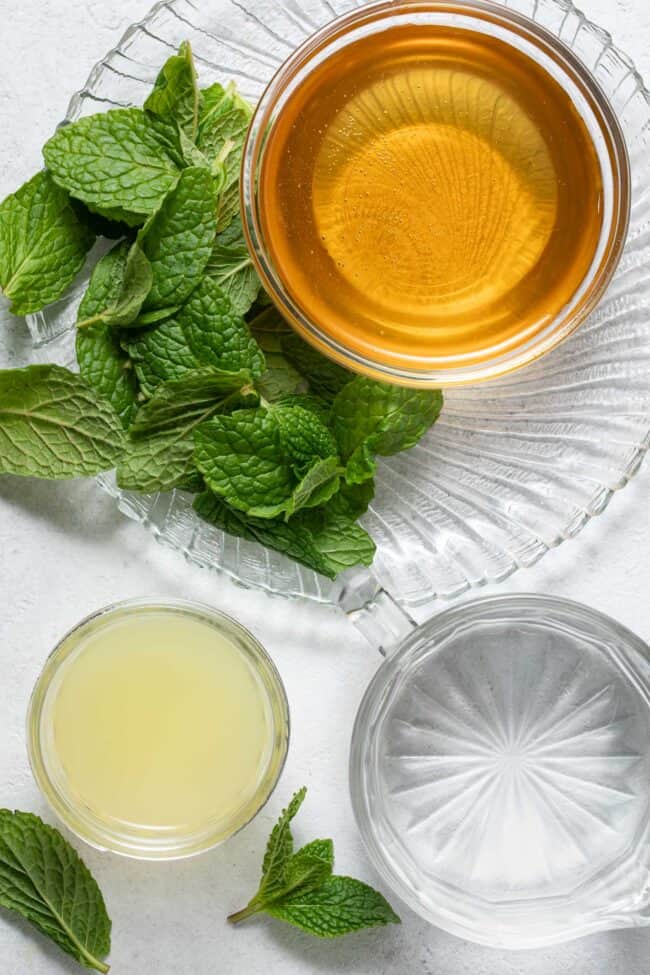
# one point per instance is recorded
(159, 726)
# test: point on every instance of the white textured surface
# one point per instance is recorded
(66, 551)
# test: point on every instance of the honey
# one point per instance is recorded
(430, 194)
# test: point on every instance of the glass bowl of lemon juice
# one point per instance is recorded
(157, 729)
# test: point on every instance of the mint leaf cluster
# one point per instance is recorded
(189, 378)
(43, 879)
(301, 888)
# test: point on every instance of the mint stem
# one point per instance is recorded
(253, 907)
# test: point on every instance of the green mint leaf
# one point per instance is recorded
(175, 93)
(178, 239)
(105, 367)
(352, 500)
(326, 542)
(303, 436)
(279, 847)
(338, 906)
(361, 467)
(241, 459)
(299, 887)
(160, 454)
(309, 867)
(370, 417)
(280, 379)
(319, 484)
(231, 267)
(120, 162)
(98, 225)
(223, 123)
(325, 378)
(155, 316)
(53, 425)
(158, 463)
(183, 400)
(305, 871)
(205, 332)
(42, 244)
(324, 849)
(102, 361)
(306, 401)
(43, 879)
(118, 286)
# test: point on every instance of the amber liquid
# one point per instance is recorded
(430, 194)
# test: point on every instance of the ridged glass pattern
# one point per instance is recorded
(513, 467)
(501, 771)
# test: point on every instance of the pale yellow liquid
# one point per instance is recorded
(161, 721)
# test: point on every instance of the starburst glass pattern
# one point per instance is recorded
(509, 764)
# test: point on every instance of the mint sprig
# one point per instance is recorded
(190, 378)
(301, 888)
(43, 879)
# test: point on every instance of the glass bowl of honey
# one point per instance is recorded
(435, 193)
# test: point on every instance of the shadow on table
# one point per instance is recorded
(74, 507)
(416, 948)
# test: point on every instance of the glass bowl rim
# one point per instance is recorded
(84, 825)
(598, 276)
(472, 611)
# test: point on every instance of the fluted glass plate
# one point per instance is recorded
(500, 771)
(513, 467)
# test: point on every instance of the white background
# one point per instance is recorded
(64, 551)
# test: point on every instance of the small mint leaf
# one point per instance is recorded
(43, 879)
(175, 93)
(42, 244)
(340, 905)
(120, 163)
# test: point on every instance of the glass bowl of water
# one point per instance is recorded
(500, 772)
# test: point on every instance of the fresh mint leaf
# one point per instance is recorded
(118, 287)
(155, 316)
(323, 849)
(100, 226)
(325, 378)
(280, 379)
(42, 244)
(175, 93)
(352, 500)
(279, 847)
(326, 542)
(53, 425)
(241, 459)
(264, 461)
(307, 869)
(205, 332)
(105, 367)
(102, 361)
(121, 162)
(304, 892)
(178, 239)
(303, 436)
(160, 453)
(43, 879)
(183, 400)
(231, 266)
(370, 417)
(314, 404)
(223, 123)
(161, 462)
(320, 483)
(340, 905)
